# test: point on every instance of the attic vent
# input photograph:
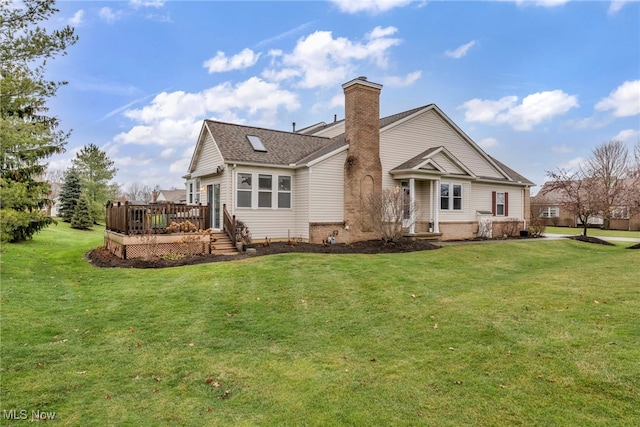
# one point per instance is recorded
(256, 143)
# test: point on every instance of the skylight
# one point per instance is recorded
(256, 143)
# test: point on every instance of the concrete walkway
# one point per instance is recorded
(546, 237)
(609, 239)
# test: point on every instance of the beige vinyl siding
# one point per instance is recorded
(327, 189)
(481, 198)
(209, 158)
(423, 201)
(444, 162)
(336, 130)
(428, 130)
(466, 213)
(301, 202)
(270, 222)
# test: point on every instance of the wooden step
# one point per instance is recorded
(221, 244)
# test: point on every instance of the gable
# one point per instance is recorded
(429, 128)
(206, 156)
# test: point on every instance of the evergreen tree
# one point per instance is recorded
(27, 134)
(70, 193)
(82, 217)
(96, 170)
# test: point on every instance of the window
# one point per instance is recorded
(550, 212)
(264, 191)
(284, 192)
(499, 203)
(244, 190)
(451, 197)
(197, 191)
(191, 193)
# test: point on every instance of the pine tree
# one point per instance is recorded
(96, 170)
(82, 217)
(70, 194)
(27, 134)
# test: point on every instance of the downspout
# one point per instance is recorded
(412, 201)
(436, 207)
(233, 190)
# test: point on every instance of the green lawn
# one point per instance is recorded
(498, 334)
(596, 232)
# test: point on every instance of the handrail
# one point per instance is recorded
(229, 224)
(128, 219)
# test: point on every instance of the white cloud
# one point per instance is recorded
(562, 149)
(146, 3)
(370, 6)
(220, 63)
(460, 51)
(320, 60)
(534, 109)
(616, 5)
(627, 135)
(399, 81)
(174, 118)
(107, 14)
(542, 3)
(573, 164)
(488, 143)
(624, 100)
(77, 19)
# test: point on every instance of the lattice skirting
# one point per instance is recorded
(129, 247)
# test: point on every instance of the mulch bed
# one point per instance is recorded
(590, 239)
(101, 257)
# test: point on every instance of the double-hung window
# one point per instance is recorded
(245, 190)
(550, 212)
(500, 203)
(264, 191)
(284, 192)
(450, 197)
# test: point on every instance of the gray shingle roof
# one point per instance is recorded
(283, 148)
(298, 148)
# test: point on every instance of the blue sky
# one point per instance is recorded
(538, 84)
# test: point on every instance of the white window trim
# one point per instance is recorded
(498, 193)
(255, 191)
(451, 197)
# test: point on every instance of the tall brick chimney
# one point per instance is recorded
(362, 169)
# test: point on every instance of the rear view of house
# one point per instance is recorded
(316, 182)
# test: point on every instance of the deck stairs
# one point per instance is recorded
(221, 244)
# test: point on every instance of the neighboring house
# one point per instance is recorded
(315, 182)
(547, 204)
(171, 196)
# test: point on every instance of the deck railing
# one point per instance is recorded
(229, 224)
(130, 219)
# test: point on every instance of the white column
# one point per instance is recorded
(436, 206)
(412, 201)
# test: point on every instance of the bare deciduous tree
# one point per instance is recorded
(579, 194)
(607, 182)
(391, 212)
(138, 191)
(609, 166)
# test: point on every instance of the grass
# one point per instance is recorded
(523, 333)
(596, 232)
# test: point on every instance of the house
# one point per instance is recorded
(549, 205)
(315, 182)
(170, 196)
